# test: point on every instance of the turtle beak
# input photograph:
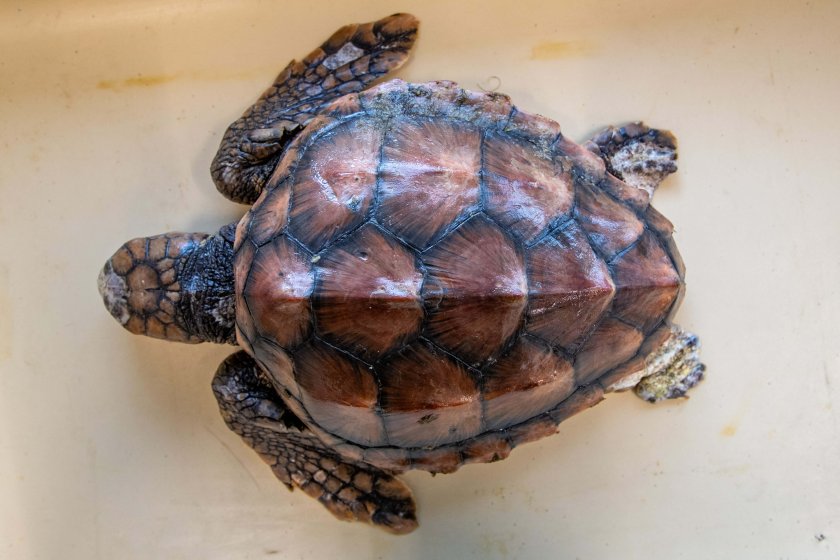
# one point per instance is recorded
(114, 292)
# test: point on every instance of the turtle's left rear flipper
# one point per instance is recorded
(350, 490)
(347, 62)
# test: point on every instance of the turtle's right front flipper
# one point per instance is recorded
(351, 490)
(347, 62)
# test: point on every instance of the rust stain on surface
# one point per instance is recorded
(729, 430)
(551, 50)
(136, 81)
(153, 80)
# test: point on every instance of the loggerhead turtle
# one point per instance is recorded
(427, 276)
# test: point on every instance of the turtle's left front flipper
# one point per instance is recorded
(347, 62)
(350, 490)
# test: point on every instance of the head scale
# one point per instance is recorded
(173, 286)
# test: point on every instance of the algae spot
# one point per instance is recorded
(551, 50)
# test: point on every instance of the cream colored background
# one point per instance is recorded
(111, 445)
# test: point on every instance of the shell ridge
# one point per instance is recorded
(482, 173)
(587, 335)
(245, 285)
(377, 186)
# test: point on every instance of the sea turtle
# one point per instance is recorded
(427, 276)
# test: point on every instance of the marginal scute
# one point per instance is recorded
(246, 332)
(635, 197)
(486, 450)
(537, 427)
(278, 365)
(570, 287)
(475, 291)
(663, 226)
(639, 362)
(526, 190)
(344, 106)
(270, 214)
(540, 129)
(429, 177)
(368, 296)
(242, 228)
(334, 183)
(589, 164)
(441, 460)
(390, 458)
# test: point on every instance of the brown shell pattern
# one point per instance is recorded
(433, 276)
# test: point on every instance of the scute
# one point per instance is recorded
(527, 191)
(475, 290)
(530, 377)
(333, 186)
(277, 291)
(429, 177)
(465, 276)
(428, 398)
(339, 392)
(368, 296)
(571, 287)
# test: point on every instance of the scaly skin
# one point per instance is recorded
(347, 62)
(349, 490)
(174, 286)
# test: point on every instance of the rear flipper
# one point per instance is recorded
(668, 372)
(637, 154)
(349, 490)
(347, 62)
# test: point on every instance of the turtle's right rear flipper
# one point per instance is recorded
(350, 490)
(347, 62)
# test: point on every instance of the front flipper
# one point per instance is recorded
(347, 62)
(349, 490)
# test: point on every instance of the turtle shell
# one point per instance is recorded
(433, 276)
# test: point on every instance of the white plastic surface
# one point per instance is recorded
(111, 445)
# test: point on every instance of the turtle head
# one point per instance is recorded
(174, 286)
